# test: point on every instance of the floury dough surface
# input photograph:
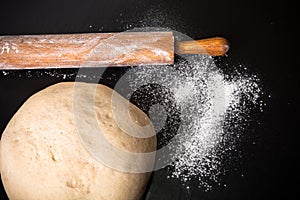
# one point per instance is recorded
(42, 157)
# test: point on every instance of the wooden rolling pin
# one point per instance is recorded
(100, 49)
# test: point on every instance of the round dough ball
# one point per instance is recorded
(43, 157)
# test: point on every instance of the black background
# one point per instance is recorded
(262, 36)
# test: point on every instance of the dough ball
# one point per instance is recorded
(43, 157)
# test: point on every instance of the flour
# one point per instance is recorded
(208, 101)
(160, 52)
(8, 48)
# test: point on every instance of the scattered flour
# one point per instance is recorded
(208, 101)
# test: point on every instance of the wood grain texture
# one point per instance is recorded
(86, 50)
(216, 46)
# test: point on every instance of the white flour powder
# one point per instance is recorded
(209, 101)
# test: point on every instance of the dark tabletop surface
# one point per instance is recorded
(262, 37)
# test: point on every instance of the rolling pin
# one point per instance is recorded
(100, 49)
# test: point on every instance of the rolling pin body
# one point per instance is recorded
(100, 49)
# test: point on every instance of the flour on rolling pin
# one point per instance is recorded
(9, 48)
(134, 48)
(81, 50)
